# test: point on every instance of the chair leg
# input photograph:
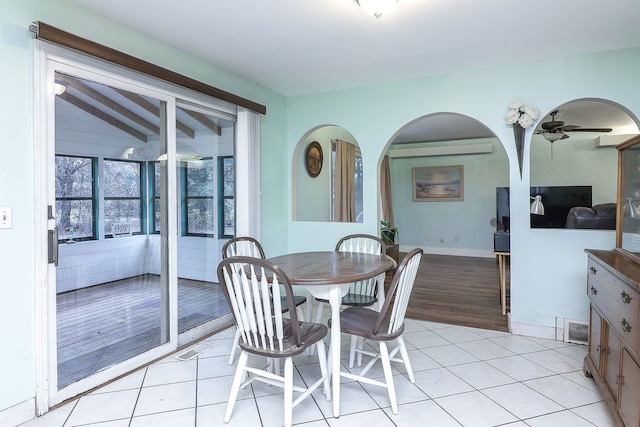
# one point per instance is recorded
(352, 351)
(236, 341)
(309, 306)
(235, 387)
(288, 391)
(322, 359)
(360, 345)
(388, 376)
(405, 359)
(319, 309)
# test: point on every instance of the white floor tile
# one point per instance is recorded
(480, 375)
(519, 368)
(210, 367)
(375, 417)
(181, 418)
(475, 409)
(440, 382)
(424, 339)
(164, 398)
(564, 419)
(457, 334)
(556, 362)
(174, 372)
(216, 390)
(271, 410)
(518, 344)
(564, 391)
(103, 407)
(449, 355)
(598, 414)
(245, 414)
(485, 350)
(430, 414)
(353, 398)
(522, 401)
(405, 392)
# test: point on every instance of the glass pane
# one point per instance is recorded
(228, 177)
(74, 219)
(121, 179)
(122, 217)
(200, 216)
(201, 140)
(229, 217)
(111, 295)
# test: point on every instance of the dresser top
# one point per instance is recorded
(623, 267)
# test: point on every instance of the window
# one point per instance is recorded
(123, 207)
(76, 198)
(198, 217)
(154, 200)
(226, 197)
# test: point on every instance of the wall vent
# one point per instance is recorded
(576, 331)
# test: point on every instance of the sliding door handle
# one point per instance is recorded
(53, 246)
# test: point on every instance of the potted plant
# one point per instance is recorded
(388, 236)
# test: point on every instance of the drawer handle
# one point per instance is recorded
(626, 298)
(618, 379)
(625, 325)
(593, 270)
(594, 290)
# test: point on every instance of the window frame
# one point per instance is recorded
(222, 197)
(93, 198)
(142, 197)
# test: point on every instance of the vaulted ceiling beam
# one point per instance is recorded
(153, 109)
(202, 119)
(107, 102)
(103, 116)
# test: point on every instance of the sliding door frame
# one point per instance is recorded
(48, 59)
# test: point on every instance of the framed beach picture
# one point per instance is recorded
(438, 184)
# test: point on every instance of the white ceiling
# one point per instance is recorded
(297, 47)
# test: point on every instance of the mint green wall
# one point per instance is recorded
(422, 224)
(548, 267)
(588, 165)
(17, 360)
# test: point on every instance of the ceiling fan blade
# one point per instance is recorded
(589, 130)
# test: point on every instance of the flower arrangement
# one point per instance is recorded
(521, 114)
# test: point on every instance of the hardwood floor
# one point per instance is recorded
(460, 291)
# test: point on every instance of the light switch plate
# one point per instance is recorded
(6, 217)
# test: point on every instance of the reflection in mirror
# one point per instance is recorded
(328, 184)
(629, 234)
(574, 163)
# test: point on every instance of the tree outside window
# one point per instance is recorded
(122, 182)
(198, 196)
(75, 198)
(226, 196)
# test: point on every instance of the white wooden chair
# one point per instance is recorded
(255, 290)
(248, 246)
(383, 327)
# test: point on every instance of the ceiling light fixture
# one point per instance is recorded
(59, 88)
(553, 136)
(376, 8)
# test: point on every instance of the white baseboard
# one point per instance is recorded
(435, 250)
(18, 414)
(536, 331)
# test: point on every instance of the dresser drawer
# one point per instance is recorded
(618, 302)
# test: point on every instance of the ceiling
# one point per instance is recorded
(297, 47)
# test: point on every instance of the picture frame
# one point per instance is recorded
(438, 184)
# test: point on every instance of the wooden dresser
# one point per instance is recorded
(613, 286)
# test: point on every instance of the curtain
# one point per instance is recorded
(345, 187)
(386, 208)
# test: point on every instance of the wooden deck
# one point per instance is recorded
(105, 324)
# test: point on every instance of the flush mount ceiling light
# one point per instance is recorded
(377, 8)
(59, 88)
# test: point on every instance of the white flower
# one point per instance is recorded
(515, 105)
(531, 112)
(523, 115)
(512, 117)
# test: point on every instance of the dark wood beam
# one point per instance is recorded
(103, 116)
(55, 35)
(153, 109)
(202, 119)
(107, 102)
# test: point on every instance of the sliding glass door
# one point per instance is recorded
(140, 195)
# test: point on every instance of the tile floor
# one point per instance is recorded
(464, 377)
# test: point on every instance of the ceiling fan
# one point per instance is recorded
(554, 129)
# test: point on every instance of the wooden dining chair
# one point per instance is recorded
(365, 292)
(248, 246)
(383, 326)
(255, 289)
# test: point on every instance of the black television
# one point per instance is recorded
(557, 201)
